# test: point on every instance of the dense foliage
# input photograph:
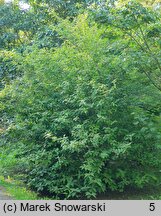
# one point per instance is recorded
(80, 98)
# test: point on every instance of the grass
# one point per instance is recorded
(17, 191)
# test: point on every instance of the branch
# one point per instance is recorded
(151, 80)
(146, 43)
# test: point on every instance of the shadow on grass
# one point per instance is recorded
(130, 193)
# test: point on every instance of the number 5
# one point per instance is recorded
(152, 207)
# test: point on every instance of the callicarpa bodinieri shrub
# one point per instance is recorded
(79, 116)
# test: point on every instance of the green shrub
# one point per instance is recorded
(77, 120)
